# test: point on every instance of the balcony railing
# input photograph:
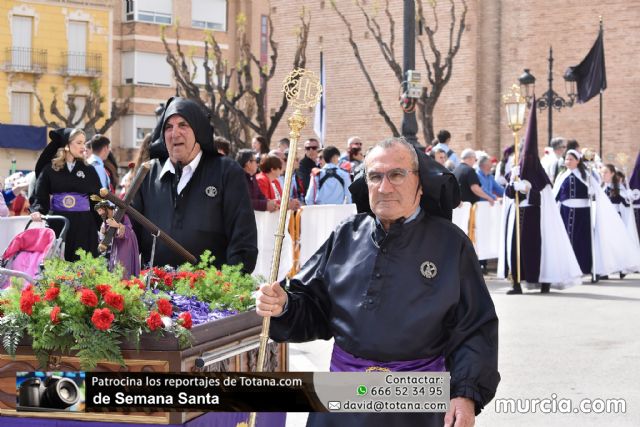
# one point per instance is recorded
(26, 60)
(81, 63)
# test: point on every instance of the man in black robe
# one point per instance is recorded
(197, 196)
(399, 285)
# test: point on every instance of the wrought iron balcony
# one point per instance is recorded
(26, 60)
(81, 64)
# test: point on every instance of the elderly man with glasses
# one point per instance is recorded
(399, 288)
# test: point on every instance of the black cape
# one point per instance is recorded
(365, 289)
(212, 212)
(83, 230)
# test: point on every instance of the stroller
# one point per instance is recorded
(26, 252)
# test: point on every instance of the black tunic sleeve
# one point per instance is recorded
(472, 352)
(309, 307)
(93, 181)
(239, 220)
(41, 196)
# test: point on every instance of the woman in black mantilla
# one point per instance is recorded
(64, 184)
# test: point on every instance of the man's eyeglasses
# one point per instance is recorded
(395, 176)
(310, 148)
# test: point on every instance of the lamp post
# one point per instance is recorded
(550, 100)
(515, 104)
(409, 122)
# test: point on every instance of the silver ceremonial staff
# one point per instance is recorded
(302, 89)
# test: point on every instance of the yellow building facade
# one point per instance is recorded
(49, 45)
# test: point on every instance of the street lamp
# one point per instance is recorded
(550, 99)
(516, 105)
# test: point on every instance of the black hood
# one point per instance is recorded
(440, 190)
(197, 118)
(59, 139)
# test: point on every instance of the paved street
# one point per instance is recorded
(576, 344)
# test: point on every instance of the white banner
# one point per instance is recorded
(487, 229)
(461, 216)
(317, 223)
(267, 225)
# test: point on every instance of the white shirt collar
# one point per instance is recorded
(168, 166)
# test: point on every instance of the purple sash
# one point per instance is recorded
(69, 202)
(341, 361)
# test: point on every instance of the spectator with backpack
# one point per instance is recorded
(329, 185)
(444, 137)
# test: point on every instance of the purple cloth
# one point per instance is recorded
(210, 419)
(634, 180)
(69, 202)
(342, 361)
(124, 251)
(530, 167)
(258, 201)
(577, 220)
(200, 311)
(590, 75)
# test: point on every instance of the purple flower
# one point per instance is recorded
(200, 310)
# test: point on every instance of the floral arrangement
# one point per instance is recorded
(83, 307)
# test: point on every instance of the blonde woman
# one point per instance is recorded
(64, 184)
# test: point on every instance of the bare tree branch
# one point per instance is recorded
(42, 114)
(363, 68)
(236, 94)
(90, 114)
(386, 49)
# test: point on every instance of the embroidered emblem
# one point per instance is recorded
(211, 191)
(377, 369)
(68, 202)
(428, 269)
(80, 174)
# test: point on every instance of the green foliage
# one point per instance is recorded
(61, 312)
(12, 329)
(65, 320)
(225, 289)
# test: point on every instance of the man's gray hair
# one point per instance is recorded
(468, 152)
(482, 160)
(557, 142)
(392, 142)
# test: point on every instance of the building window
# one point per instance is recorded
(211, 14)
(21, 108)
(155, 11)
(21, 52)
(145, 68)
(200, 78)
(134, 128)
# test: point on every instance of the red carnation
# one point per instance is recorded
(185, 320)
(27, 300)
(54, 315)
(51, 293)
(168, 280)
(160, 273)
(114, 299)
(103, 289)
(88, 297)
(164, 307)
(102, 318)
(154, 321)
